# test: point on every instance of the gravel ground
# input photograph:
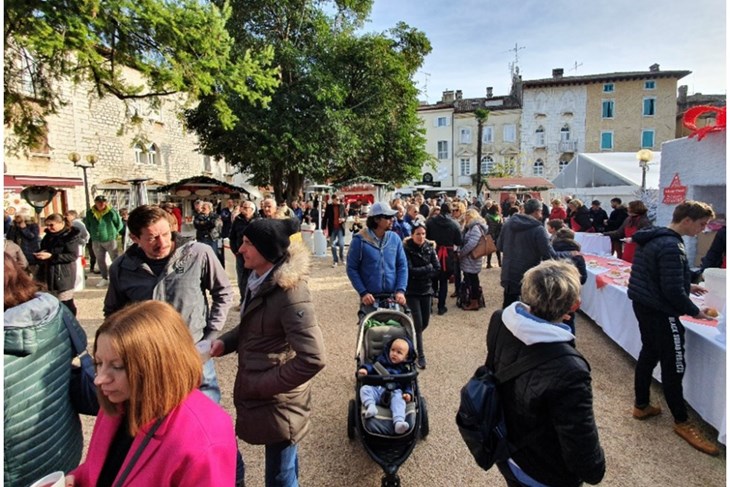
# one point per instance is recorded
(637, 453)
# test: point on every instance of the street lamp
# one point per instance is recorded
(644, 156)
(90, 161)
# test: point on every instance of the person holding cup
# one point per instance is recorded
(154, 427)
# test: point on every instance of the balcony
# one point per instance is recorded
(568, 146)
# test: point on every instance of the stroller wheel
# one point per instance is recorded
(351, 418)
(390, 480)
(424, 416)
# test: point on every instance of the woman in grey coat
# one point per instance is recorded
(474, 227)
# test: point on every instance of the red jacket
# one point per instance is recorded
(195, 445)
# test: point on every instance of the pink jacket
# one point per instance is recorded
(195, 445)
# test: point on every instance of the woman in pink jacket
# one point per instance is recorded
(155, 427)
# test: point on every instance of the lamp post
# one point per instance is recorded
(644, 156)
(90, 161)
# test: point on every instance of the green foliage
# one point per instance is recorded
(346, 105)
(178, 46)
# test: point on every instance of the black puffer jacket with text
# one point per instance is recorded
(660, 275)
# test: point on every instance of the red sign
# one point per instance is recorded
(675, 193)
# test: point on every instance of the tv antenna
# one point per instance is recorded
(575, 67)
(513, 66)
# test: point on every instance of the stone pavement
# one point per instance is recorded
(638, 453)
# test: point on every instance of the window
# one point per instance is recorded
(465, 167)
(139, 152)
(649, 107)
(647, 139)
(465, 135)
(565, 133)
(607, 109)
(540, 137)
(441, 122)
(488, 134)
(509, 133)
(443, 149)
(650, 85)
(28, 73)
(538, 168)
(606, 140)
(608, 88)
(206, 164)
(562, 165)
(153, 156)
(487, 164)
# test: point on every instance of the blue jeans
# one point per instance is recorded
(282, 465)
(337, 237)
(209, 385)
(372, 395)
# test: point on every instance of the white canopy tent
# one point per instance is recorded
(605, 175)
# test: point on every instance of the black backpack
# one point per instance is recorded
(480, 417)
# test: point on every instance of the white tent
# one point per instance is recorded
(606, 175)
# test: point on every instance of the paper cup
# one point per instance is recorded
(56, 479)
(203, 347)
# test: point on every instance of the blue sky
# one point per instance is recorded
(471, 39)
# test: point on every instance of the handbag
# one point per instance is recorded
(485, 246)
(81, 388)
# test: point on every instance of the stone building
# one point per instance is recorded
(132, 139)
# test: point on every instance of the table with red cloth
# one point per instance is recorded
(604, 298)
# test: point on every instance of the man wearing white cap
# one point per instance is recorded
(376, 262)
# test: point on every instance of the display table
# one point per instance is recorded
(604, 298)
(593, 243)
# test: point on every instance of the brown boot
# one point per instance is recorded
(646, 412)
(472, 306)
(692, 435)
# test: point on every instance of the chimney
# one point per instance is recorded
(654, 68)
(558, 73)
(447, 96)
(682, 97)
(458, 94)
(489, 91)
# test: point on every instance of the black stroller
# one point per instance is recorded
(385, 447)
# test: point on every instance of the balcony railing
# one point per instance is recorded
(568, 145)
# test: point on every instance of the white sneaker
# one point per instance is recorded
(334, 264)
(102, 283)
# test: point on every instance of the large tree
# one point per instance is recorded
(178, 46)
(346, 105)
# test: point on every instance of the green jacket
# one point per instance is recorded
(42, 431)
(104, 226)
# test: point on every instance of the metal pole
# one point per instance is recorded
(86, 189)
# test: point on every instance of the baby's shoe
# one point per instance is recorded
(401, 427)
(370, 411)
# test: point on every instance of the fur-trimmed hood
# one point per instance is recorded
(296, 267)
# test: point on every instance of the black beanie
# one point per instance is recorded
(445, 209)
(270, 236)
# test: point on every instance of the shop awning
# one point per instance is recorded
(20, 182)
(201, 186)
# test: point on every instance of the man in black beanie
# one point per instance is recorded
(443, 230)
(279, 344)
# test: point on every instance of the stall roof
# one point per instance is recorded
(533, 183)
(202, 182)
(608, 169)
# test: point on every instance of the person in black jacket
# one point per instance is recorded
(564, 240)
(659, 289)
(57, 259)
(246, 214)
(614, 221)
(580, 218)
(548, 410)
(443, 230)
(524, 243)
(423, 265)
(715, 256)
(598, 216)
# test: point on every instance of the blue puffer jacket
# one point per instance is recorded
(42, 429)
(660, 276)
(377, 267)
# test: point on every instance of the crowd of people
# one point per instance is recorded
(168, 297)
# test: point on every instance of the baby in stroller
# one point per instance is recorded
(396, 358)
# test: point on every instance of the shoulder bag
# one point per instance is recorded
(485, 246)
(82, 388)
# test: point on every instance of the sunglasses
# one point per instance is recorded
(418, 225)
